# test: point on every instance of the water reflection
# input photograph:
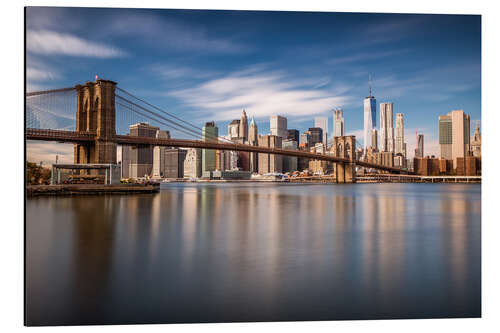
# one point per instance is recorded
(245, 252)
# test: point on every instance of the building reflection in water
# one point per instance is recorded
(244, 252)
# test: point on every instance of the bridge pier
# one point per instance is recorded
(105, 152)
(345, 172)
(95, 114)
(344, 146)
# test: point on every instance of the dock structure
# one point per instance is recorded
(90, 189)
(392, 178)
(105, 173)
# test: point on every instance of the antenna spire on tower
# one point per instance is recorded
(370, 83)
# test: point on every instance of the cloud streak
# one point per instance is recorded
(361, 57)
(262, 94)
(47, 151)
(173, 34)
(436, 84)
(40, 75)
(48, 42)
(171, 72)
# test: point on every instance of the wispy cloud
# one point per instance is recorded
(47, 151)
(36, 74)
(384, 31)
(364, 56)
(39, 75)
(262, 94)
(53, 18)
(171, 72)
(436, 84)
(359, 136)
(49, 42)
(173, 34)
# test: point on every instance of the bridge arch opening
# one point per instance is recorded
(94, 114)
(86, 114)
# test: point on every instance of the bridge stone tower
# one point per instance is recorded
(345, 147)
(95, 114)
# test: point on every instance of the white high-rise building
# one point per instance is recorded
(233, 129)
(386, 141)
(159, 155)
(338, 123)
(400, 135)
(322, 122)
(370, 120)
(192, 163)
(278, 126)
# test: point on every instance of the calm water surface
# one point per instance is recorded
(247, 252)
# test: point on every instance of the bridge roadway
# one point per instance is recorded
(87, 137)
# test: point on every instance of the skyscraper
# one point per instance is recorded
(445, 137)
(315, 136)
(386, 143)
(290, 162)
(476, 142)
(174, 163)
(278, 126)
(305, 139)
(243, 126)
(419, 151)
(141, 157)
(374, 145)
(253, 133)
(270, 163)
(461, 135)
(293, 135)
(210, 132)
(159, 155)
(192, 163)
(322, 122)
(370, 119)
(338, 123)
(253, 140)
(454, 135)
(400, 135)
(233, 129)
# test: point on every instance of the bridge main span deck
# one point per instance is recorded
(95, 135)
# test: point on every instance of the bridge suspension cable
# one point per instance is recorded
(163, 122)
(45, 92)
(51, 109)
(181, 123)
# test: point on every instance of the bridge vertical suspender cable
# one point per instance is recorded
(178, 120)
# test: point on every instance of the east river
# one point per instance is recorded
(207, 252)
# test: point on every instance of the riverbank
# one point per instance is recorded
(90, 189)
(332, 180)
(137, 188)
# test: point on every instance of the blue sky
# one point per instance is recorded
(209, 65)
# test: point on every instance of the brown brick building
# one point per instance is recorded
(430, 166)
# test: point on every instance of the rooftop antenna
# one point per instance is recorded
(370, 83)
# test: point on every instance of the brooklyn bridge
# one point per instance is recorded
(95, 117)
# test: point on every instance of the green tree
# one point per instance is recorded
(36, 174)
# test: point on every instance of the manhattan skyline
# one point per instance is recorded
(210, 65)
